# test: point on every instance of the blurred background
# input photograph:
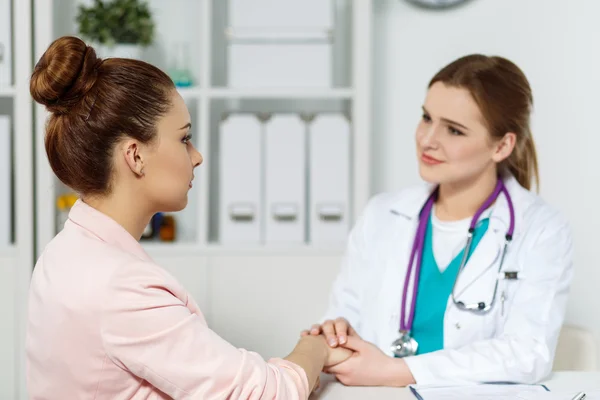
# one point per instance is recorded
(303, 109)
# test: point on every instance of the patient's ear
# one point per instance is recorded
(133, 155)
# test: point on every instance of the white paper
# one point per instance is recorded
(478, 392)
(559, 395)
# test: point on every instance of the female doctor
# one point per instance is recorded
(464, 279)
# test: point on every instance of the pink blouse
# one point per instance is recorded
(106, 322)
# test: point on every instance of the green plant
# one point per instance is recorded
(116, 22)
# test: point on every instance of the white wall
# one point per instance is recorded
(557, 44)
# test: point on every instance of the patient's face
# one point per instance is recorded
(453, 142)
(170, 160)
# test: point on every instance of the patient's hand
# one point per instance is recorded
(336, 355)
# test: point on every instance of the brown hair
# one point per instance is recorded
(504, 97)
(95, 103)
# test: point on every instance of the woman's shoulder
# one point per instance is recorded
(75, 252)
(541, 222)
(534, 209)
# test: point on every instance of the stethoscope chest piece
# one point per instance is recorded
(405, 345)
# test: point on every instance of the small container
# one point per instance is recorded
(153, 227)
(167, 229)
(179, 72)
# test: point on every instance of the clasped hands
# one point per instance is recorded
(356, 362)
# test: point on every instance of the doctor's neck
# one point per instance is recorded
(460, 200)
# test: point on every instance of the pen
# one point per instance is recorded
(579, 396)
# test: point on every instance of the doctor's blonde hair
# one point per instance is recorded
(505, 100)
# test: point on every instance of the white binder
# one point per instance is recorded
(241, 182)
(5, 43)
(285, 171)
(329, 138)
(5, 178)
(287, 14)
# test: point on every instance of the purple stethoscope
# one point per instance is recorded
(406, 345)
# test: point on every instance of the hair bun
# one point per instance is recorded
(64, 74)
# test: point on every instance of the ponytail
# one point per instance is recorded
(523, 163)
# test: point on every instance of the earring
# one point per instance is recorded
(142, 172)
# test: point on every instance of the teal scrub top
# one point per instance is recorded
(434, 289)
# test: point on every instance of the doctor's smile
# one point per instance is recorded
(430, 160)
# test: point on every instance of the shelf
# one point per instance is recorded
(7, 91)
(157, 249)
(280, 93)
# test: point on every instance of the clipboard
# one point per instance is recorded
(492, 391)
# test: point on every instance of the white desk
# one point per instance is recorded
(333, 390)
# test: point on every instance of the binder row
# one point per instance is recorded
(284, 180)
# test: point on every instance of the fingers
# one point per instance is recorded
(328, 329)
(315, 329)
(342, 329)
(335, 332)
(354, 343)
(351, 331)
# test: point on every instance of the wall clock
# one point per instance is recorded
(437, 4)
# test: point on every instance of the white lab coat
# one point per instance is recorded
(516, 340)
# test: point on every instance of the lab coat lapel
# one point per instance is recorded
(404, 215)
(488, 252)
(485, 256)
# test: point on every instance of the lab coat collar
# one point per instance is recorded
(486, 254)
(409, 203)
(106, 229)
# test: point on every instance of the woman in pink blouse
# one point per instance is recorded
(106, 322)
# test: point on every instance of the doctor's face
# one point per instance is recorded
(453, 142)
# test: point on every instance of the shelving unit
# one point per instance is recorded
(209, 97)
(16, 259)
(196, 258)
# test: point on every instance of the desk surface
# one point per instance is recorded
(333, 390)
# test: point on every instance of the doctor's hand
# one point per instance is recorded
(336, 332)
(337, 355)
(369, 366)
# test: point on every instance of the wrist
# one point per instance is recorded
(312, 345)
(398, 374)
